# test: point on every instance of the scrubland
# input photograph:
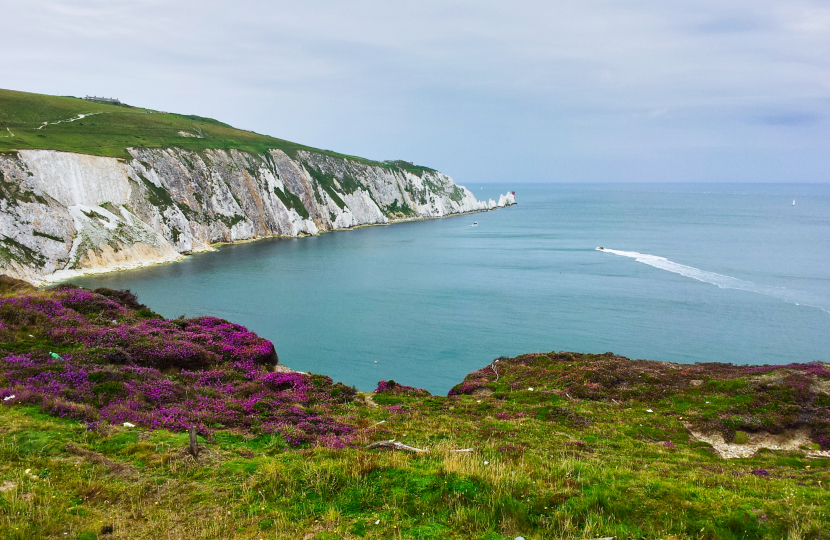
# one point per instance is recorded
(555, 445)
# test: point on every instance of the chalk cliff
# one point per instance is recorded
(65, 214)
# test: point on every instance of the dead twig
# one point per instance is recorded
(392, 445)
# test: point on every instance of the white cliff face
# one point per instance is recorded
(83, 179)
(65, 214)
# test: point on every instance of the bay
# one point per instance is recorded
(745, 279)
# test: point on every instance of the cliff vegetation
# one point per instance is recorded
(88, 187)
(97, 393)
(71, 124)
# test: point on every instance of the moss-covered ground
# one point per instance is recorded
(560, 446)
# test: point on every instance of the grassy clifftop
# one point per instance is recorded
(556, 445)
(37, 121)
(108, 129)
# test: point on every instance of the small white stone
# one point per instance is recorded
(9, 397)
(378, 521)
(486, 462)
(127, 424)
(649, 410)
(531, 389)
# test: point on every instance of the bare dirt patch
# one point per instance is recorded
(792, 440)
(279, 368)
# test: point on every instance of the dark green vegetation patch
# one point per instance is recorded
(291, 201)
(326, 181)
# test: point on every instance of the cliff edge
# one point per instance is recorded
(66, 213)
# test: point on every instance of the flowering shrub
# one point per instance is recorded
(473, 382)
(391, 387)
(119, 363)
(760, 398)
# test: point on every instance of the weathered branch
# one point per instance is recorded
(392, 445)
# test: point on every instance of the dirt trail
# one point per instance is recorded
(79, 117)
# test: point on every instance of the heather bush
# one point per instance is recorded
(761, 398)
(115, 365)
(396, 389)
(555, 445)
(124, 298)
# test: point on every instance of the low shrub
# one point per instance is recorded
(396, 389)
(118, 366)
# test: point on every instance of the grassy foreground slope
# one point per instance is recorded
(560, 445)
(109, 129)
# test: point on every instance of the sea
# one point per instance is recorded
(688, 273)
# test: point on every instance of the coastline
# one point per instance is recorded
(62, 276)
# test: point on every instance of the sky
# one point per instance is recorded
(485, 91)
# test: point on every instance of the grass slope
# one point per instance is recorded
(110, 129)
(578, 456)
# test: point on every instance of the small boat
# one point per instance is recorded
(600, 248)
(475, 223)
(793, 202)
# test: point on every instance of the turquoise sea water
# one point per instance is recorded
(746, 280)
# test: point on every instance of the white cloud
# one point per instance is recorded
(587, 85)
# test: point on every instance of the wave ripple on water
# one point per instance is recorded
(798, 298)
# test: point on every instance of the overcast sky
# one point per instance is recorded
(622, 90)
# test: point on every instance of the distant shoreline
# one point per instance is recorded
(47, 282)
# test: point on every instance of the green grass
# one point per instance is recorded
(550, 475)
(292, 202)
(563, 445)
(326, 181)
(111, 129)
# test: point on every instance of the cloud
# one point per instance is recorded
(461, 85)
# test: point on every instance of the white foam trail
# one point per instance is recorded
(724, 282)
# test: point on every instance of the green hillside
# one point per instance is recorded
(109, 129)
(97, 394)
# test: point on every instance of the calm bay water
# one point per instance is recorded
(746, 279)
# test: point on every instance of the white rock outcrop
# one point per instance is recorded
(65, 214)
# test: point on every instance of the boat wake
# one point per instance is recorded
(724, 282)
